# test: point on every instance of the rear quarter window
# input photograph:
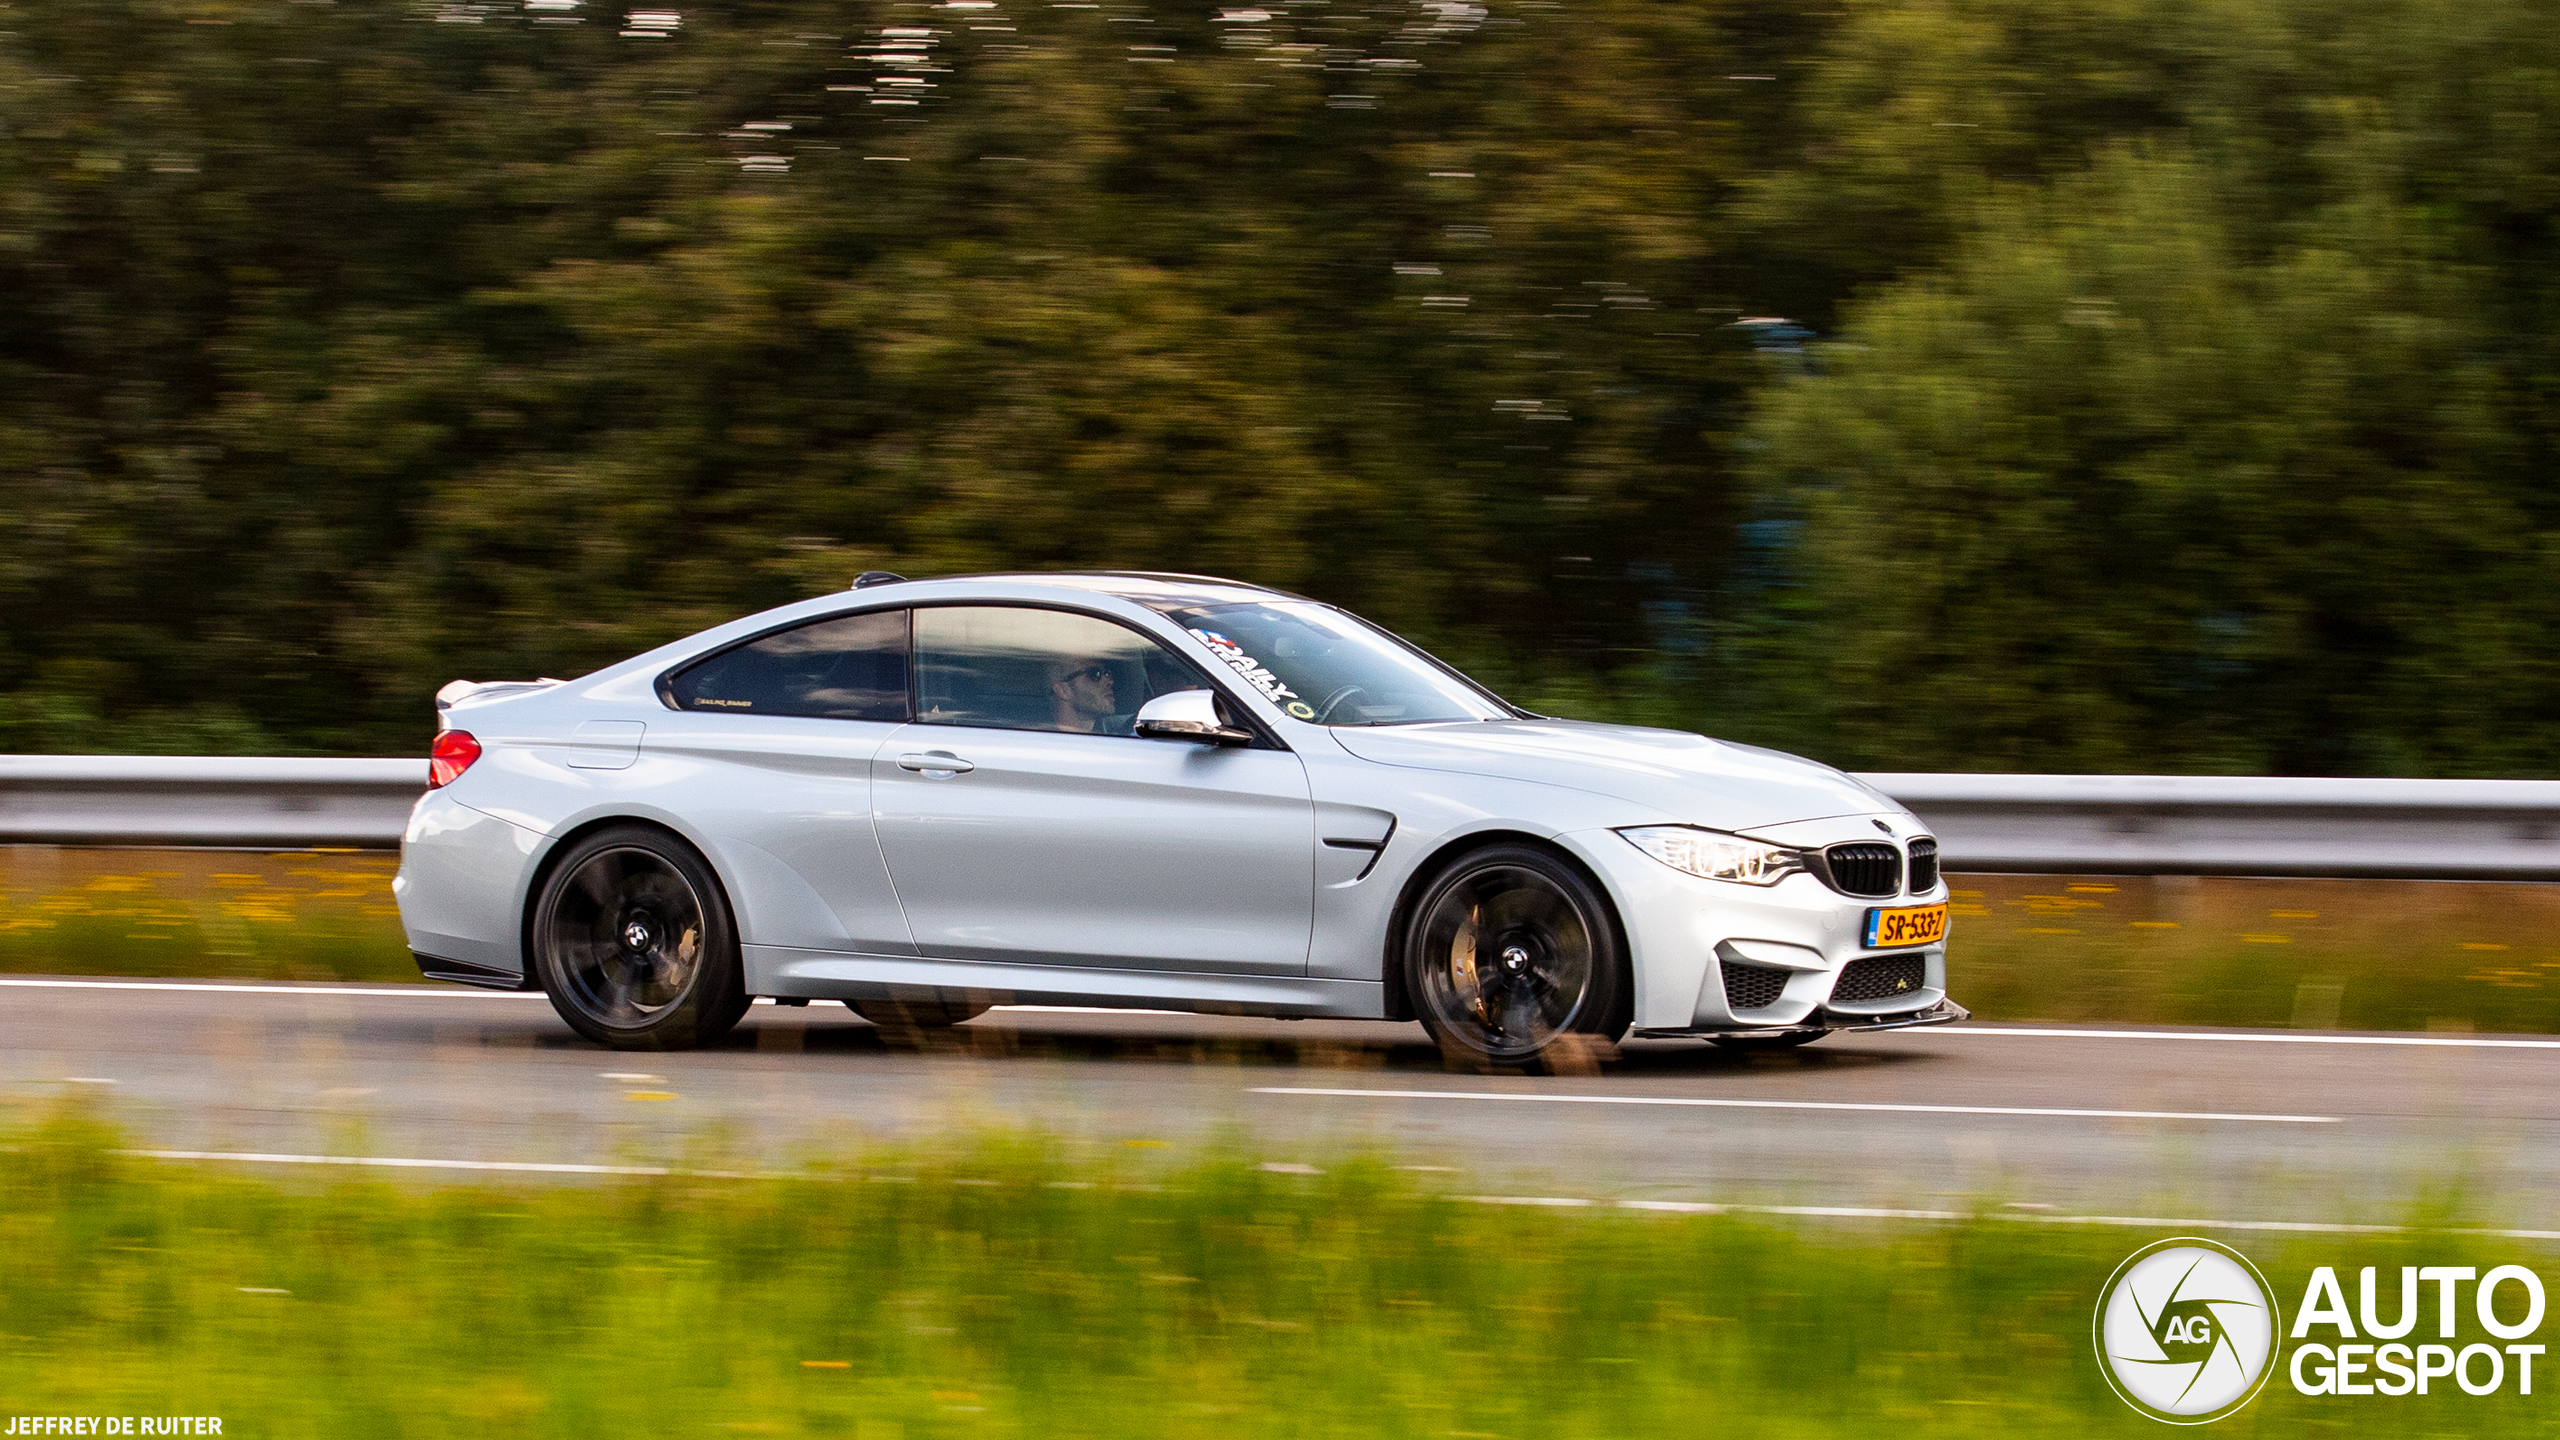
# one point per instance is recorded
(851, 667)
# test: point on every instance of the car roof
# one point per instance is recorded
(1155, 589)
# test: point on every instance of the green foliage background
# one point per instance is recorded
(2171, 385)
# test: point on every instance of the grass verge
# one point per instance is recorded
(2312, 954)
(992, 1290)
(215, 914)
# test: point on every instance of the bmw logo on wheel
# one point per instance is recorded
(2186, 1331)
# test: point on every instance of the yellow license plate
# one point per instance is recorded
(1911, 925)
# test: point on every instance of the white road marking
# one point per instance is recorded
(442, 992)
(2456, 1041)
(523, 1167)
(1556, 1202)
(1720, 1103)
(2139, 1222)
(430, 991)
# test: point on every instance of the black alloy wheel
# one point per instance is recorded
(1512, 958)
(633, 942)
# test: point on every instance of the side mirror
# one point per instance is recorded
(1188, 715)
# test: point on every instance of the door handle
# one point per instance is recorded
(937, 764)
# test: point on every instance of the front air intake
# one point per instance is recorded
(1924, 865)
(1880, 977)
(1751, 987)
(1864, 868)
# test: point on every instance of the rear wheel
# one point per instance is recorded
(633, 942)
(1512, 959)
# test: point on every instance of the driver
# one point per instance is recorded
(1086, 699)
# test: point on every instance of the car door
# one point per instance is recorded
(1023, 822)
(772, 744)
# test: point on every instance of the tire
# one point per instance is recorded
(1512, 959)
(1768, 1042)
(633, 941)
(917, 1014)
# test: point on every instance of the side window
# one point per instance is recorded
(1015, 668)
(853, 667)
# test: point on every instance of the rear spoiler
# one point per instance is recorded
(458, 691)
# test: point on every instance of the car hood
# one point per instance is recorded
(1705, 782)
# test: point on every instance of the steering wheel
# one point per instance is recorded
(1332, 702)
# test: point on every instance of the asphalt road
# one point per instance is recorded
(2234, 1125)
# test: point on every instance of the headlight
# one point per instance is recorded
(1711, 856)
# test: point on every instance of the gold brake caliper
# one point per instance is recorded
(1462, 967)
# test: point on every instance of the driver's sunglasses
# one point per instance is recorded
(1090, 672)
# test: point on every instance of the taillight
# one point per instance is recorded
(454, 752)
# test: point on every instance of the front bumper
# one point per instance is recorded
(1790, 948)
(1945, 1012)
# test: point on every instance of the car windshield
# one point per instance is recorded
(1320, 664)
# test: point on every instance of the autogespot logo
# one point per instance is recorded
(2186, 1331)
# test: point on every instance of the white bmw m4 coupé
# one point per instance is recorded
(927, 797)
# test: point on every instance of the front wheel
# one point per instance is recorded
(1512, 959)
(633, 942)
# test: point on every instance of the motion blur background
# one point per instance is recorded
(1921, 385)
(2039, 384)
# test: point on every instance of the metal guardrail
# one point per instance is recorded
(2022, 824)
(206, 801)
(2238, 825)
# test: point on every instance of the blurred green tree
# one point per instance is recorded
(487, 339)
(2178, 392)
(2226, 453)
(2111, 495)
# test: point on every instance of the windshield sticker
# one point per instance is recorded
(1245, 665)
(1302, 709)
